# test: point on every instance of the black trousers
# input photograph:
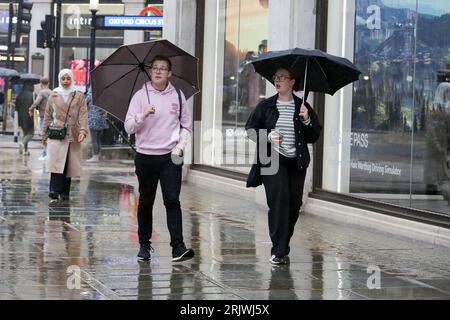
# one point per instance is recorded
(60, 183)
(284, 191)
(149, 170)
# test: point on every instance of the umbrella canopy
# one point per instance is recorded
(118, 77)
(323, 72)
(6, 72)
(30, 76)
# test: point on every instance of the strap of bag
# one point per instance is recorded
(70, 104)
(181, 104)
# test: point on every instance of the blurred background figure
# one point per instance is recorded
(23, 102)
(40, 103)
(97, 123)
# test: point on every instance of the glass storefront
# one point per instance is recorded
(395, 146)
(20, 51)
(75, 29)
(240, 32)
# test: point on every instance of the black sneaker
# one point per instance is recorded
(276, 260)
(53, 195)
(144, 252)
(181, 254)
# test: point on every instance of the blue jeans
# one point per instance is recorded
(96, 141)
(149, 170)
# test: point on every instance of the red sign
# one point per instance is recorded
(150, 9)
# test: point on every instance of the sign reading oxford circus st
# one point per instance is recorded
(142, 22)
(133, 22)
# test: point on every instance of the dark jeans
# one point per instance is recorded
(59, 183)
(96, 141)
(150, 169)
(284, 191)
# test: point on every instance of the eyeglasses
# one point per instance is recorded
(280, 78)
(156, 69)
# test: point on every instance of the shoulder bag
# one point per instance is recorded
(59, 132)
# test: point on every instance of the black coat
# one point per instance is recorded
(23, 102)
(265, 116)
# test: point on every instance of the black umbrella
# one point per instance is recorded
(116, 79)
(30, 76)
(322, 72)
(6, 72)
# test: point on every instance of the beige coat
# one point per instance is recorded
(59, 150)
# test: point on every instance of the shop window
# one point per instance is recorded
(239, 87)
(400, 123)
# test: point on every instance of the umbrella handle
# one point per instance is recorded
(304, 79)
(304, 84)
(146, 91)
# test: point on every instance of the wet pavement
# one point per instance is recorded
(86, 248)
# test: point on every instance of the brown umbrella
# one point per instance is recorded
(116, 79)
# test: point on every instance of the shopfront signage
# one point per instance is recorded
(133, 22)
(153, 10)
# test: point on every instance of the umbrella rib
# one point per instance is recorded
(132, 53)
(321, 68)
(131, 94)
(149, 51)
(118, 64)
(123, 76)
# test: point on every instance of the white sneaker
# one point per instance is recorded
(42, 158)
(93, 159)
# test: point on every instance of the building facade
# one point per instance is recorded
(75, 35)
(386, 139)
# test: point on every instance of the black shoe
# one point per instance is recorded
(144, 252)
(53, 195)
(276, 260)
(65, 197)
(181, 253)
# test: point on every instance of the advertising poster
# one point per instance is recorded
(399, 134)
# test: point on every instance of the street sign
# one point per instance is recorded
(131, 22)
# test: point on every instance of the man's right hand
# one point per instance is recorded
(30, 113)
(149, 109)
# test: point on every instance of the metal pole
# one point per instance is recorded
(92, 49)
(10, 25)
(13, 44)
(86, 78)
(16, 125)
(57, 43)
(8, 65)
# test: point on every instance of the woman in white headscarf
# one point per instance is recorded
(65, 106)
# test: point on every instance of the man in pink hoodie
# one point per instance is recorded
(162, 128)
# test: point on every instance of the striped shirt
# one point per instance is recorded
(285, 125)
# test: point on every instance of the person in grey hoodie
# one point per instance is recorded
(40, 103)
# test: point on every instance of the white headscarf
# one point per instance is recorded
(61, 90)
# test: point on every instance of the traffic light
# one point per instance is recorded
(24, 17)
(46, 36)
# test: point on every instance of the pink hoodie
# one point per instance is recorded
(160, 132)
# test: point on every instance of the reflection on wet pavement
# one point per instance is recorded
(86, 248)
